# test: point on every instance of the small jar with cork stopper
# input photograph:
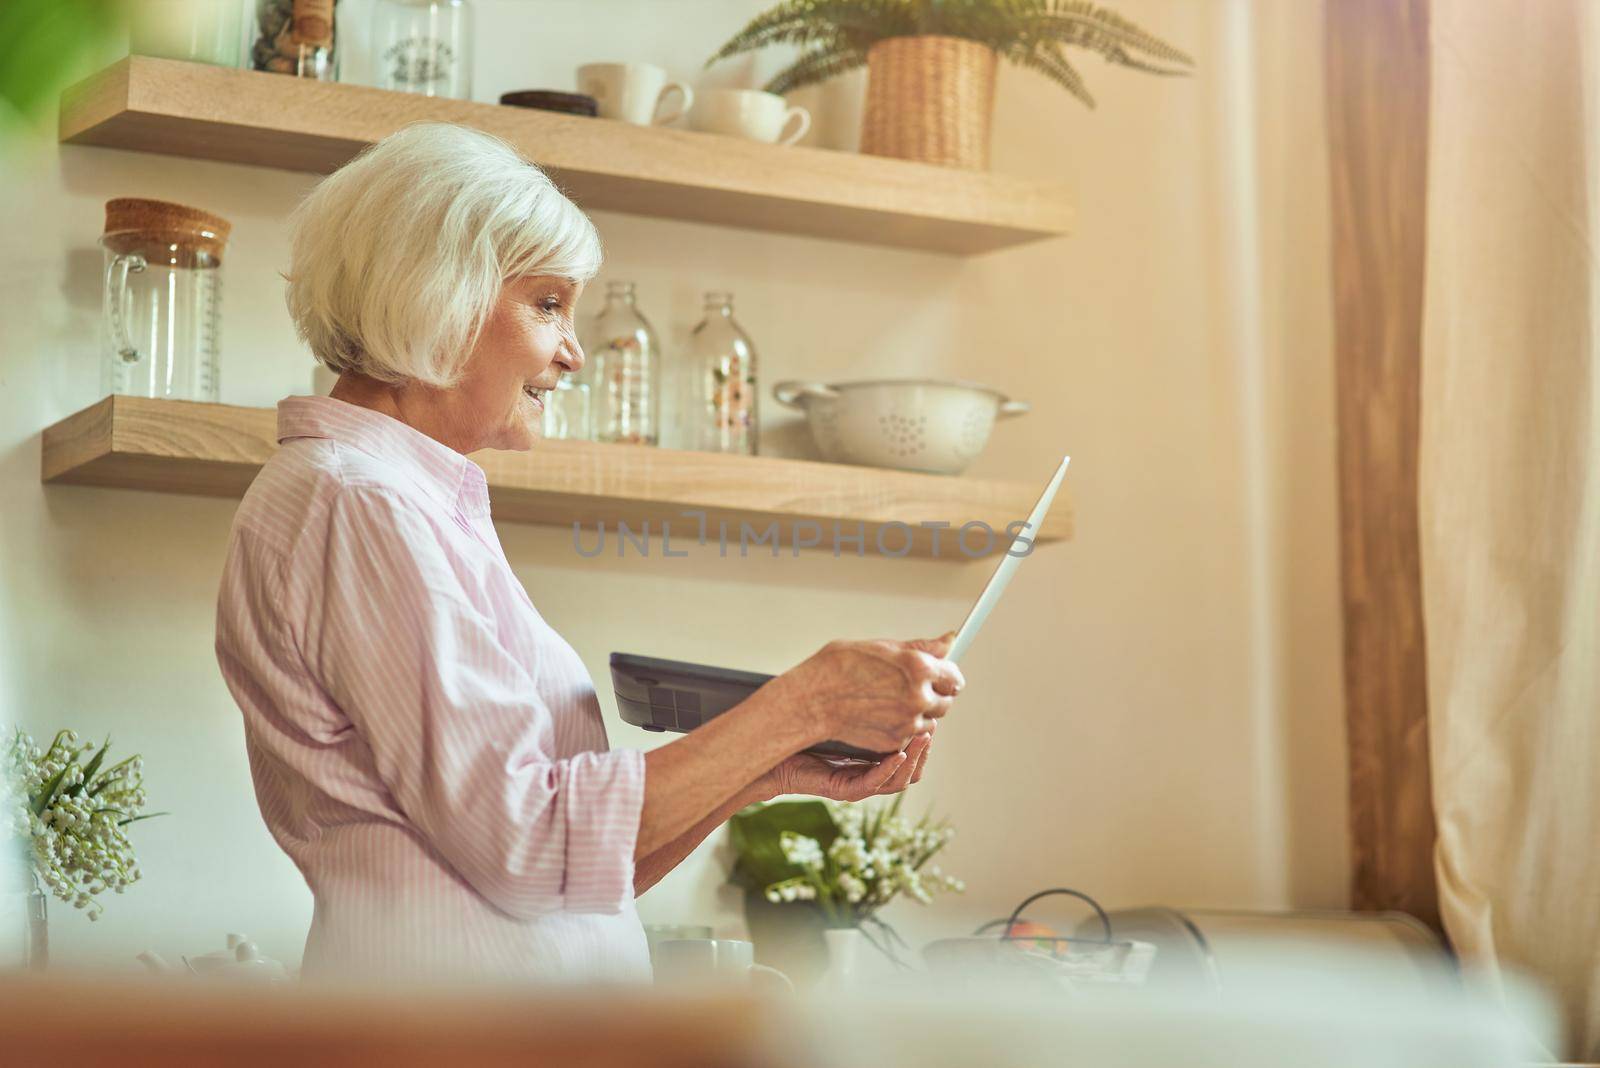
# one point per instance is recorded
(296, 37)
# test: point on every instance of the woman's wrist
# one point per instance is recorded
(791, 714)
(761, 791)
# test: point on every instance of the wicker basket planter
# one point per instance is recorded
(930, 99)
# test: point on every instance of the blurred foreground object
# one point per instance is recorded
(1323, 1009)
(1283, 1005)
(176, 1025)
(41, 41)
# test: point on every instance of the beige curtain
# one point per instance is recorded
(1510, 484)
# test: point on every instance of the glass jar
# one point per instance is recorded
(625, 354)
(296, 37)
(566, 412)
(424, 46)
(201, 31)
(162, 299)
(724, 369)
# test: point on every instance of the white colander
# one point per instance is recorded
(913, 424)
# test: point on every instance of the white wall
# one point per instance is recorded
(1154, 714)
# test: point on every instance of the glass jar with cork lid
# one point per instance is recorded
(162, 299)
(296, 37)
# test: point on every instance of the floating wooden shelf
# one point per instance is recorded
(204, 112)
(214, 450)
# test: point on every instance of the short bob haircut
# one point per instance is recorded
(397, 258)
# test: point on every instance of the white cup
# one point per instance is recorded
(748, 113)
(699, 961)
(632, 92)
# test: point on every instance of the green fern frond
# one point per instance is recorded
(806, 22)
(1088, 26)
(835, 36)
(1108, 47)
(1055, 66)
(814, 67)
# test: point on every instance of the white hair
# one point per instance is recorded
(398, 257)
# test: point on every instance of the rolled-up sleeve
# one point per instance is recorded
(455, 723)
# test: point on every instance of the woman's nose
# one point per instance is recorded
(571, 355)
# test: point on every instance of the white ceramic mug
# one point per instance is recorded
(711, 960)
(749, 113)
(632, 92)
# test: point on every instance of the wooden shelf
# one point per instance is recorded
(214, 450)
(270, 120)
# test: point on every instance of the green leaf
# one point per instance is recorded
(755, 835)
(47, 794)
(92, 767)
(110, 775)
(814, 67)
(146, 816)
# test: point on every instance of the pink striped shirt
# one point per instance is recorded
(424, 746)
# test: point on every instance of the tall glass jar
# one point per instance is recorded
(724, 369)
(625, 354)
(296, 37)
(162, 299)
(201, 31)
(424, 46)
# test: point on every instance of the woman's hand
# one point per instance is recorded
(807, 774)
(876, 695)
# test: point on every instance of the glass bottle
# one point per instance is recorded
(296, 37)
(625, 354)
(724, 363)
(424, 46)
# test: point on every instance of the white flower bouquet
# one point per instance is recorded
(72, 811)
(846, 860)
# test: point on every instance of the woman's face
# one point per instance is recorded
(525, 347)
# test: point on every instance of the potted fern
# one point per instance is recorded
(931, 63)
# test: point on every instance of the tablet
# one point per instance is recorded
(674, 695)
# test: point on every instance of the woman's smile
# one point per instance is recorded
(533, 398)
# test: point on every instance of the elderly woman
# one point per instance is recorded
(426, 748)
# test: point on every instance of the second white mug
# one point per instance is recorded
(632, 92)
(749, 113)
(691, 961)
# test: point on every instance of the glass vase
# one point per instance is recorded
(25, 944)
(724, 368)
(624, 371)
(844, 958)
(36, 948)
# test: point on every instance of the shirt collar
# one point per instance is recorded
(446, 474)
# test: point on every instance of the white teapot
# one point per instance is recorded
(240, 962)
